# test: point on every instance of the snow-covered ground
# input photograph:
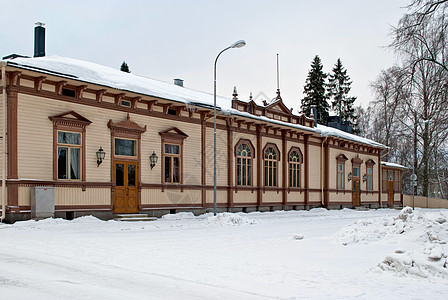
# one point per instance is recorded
(376, 254)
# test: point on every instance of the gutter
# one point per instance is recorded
(3, 137)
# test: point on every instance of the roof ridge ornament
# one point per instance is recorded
(235, 93)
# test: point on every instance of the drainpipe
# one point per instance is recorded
(3, 137)
(322, 173)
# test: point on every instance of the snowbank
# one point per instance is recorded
(230, 219)
(429, 228)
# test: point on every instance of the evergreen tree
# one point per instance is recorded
(124, 67)
(314, 90)
(338, 89)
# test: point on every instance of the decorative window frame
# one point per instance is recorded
(252, 157)
(126, 129)
(75, 123)
(340, 159)
(356, 163)
(277, 165)
(369, 165)
(296, 149)
(173, 136)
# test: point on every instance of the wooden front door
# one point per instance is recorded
(390, 194)
(126, 187)
(356, 193)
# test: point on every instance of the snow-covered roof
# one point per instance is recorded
(97, 74)
(393, 165)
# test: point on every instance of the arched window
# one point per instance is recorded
(244, 155)
(271, 158)
(295, 160)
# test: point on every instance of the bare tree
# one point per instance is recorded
(426, 24)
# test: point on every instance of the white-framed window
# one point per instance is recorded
(69, 154)
(172, 162)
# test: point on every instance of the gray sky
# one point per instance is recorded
(180, 39)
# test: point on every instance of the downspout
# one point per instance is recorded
(3, 137)
(322, 173)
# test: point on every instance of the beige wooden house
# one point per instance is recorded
(57, 113)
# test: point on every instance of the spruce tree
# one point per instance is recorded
(124, 67)
(338, 88)
(314, 90)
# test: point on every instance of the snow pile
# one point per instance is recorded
(428, 260)
(87, 220)
(230, 219)
(370, 230)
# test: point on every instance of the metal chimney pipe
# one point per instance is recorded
(179, 82)
(39, 40)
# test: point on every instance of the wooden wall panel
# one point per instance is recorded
(221, 156)
(48, 87)
(315, 197)
(272, 197)
(221, 196)
(76, 196)
(170, 197)
(245, 197)
(24, 196)
(293, 197)
(340, 197)
(35, 136)
(315, 167)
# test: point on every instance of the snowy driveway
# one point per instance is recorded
(281, 255)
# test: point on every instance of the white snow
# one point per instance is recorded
(109, 77)
(375, 254)
(393, 165)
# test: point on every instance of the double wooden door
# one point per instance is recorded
(126, 187)
(356, 193)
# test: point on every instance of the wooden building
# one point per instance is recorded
(57, 113)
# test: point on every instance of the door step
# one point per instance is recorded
(133, 217)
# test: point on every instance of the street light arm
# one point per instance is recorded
(216, 60)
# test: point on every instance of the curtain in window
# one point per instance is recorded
(75, 161)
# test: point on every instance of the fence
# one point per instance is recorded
(425, 202)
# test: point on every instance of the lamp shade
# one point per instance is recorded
(238, 44)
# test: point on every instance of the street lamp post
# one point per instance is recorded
(237, 44)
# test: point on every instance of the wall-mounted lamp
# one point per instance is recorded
(153, 159)
(349, 177)
(364, 178)
(100, 154)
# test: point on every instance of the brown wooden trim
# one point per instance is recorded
(327, 174)
(252, 149)
(99, 103)
(12, 146)
(174, 136)
(284, 167)
(275, 147)
(379, 179)
(60, 183)
(307, 169)
(259, 166)
(203, 159)
(171, 206)
(83, 207)
(230, 163)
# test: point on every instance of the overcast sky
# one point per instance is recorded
(180, 39)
